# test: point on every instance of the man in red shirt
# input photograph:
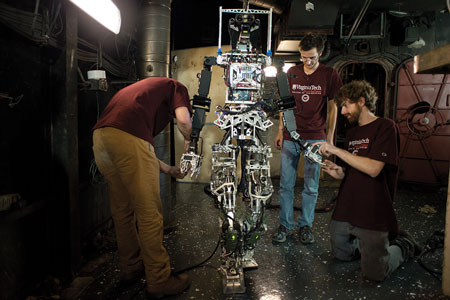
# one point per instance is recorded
(124, 153)
(313, 85)
(364, 218)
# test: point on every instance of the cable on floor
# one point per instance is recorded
(436, 241)
(199, 264)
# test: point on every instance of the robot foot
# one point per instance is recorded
(233, 283)
(249, 263)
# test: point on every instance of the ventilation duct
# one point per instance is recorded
(273, 4)
(154, 39)
(153, 61)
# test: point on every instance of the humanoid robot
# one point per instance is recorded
(243, 118)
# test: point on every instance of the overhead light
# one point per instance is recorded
(103, 11)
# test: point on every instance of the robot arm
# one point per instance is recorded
(286, 104)
(191, 160)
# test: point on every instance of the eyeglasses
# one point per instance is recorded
(311, 58)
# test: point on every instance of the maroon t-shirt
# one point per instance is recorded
(364, 201)
(144, 108)
(311, 94)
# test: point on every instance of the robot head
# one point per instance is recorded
(244, 32)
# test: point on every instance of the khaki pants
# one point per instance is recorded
(131, 169)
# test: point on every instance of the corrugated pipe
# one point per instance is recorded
(276, 7)
(154, 39)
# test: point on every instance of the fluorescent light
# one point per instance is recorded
(103, 11)
(287, 66)
(272, 71)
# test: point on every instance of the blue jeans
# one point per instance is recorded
(290, 155)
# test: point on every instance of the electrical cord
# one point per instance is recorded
(199, 264)
(185, 269)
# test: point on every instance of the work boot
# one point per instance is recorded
(174, 285)
(407, 244)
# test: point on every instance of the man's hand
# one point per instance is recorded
(326, 149)
(333, 169)
(279, 140)
(176, 172)
(171, 170)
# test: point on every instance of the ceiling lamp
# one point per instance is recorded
(103, 11)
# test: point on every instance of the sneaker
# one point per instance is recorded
(409, 246)
(174, 285)
(281, 234)
(306, 235)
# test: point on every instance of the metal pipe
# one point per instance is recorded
(357, 21)
(269, 34)
(219, 51)
(154, 39)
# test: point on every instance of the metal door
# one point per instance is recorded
(423, 118)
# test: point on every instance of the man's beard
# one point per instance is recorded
(353, 117)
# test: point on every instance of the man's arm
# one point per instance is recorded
(279, 138)
(184, 124)
(366, 165)
(171, 170)
(332, 116)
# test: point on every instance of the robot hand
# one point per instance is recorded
(191, 162)
(312, 153)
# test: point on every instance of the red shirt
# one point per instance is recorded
(311, 94)
(364, 201)
(144, 108)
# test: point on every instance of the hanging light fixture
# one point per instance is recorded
(103, 11)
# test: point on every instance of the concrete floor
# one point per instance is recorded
(287, 271)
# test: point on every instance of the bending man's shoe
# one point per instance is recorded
(174, 285)
(408, 245)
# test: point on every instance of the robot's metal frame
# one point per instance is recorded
(243, 118)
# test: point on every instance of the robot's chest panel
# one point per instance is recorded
(245, 76)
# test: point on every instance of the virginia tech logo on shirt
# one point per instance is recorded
(307, 88)
(306, 91)
(356, 145)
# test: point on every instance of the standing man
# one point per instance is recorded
(124, 152)
(313, 85)
(364, 218)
